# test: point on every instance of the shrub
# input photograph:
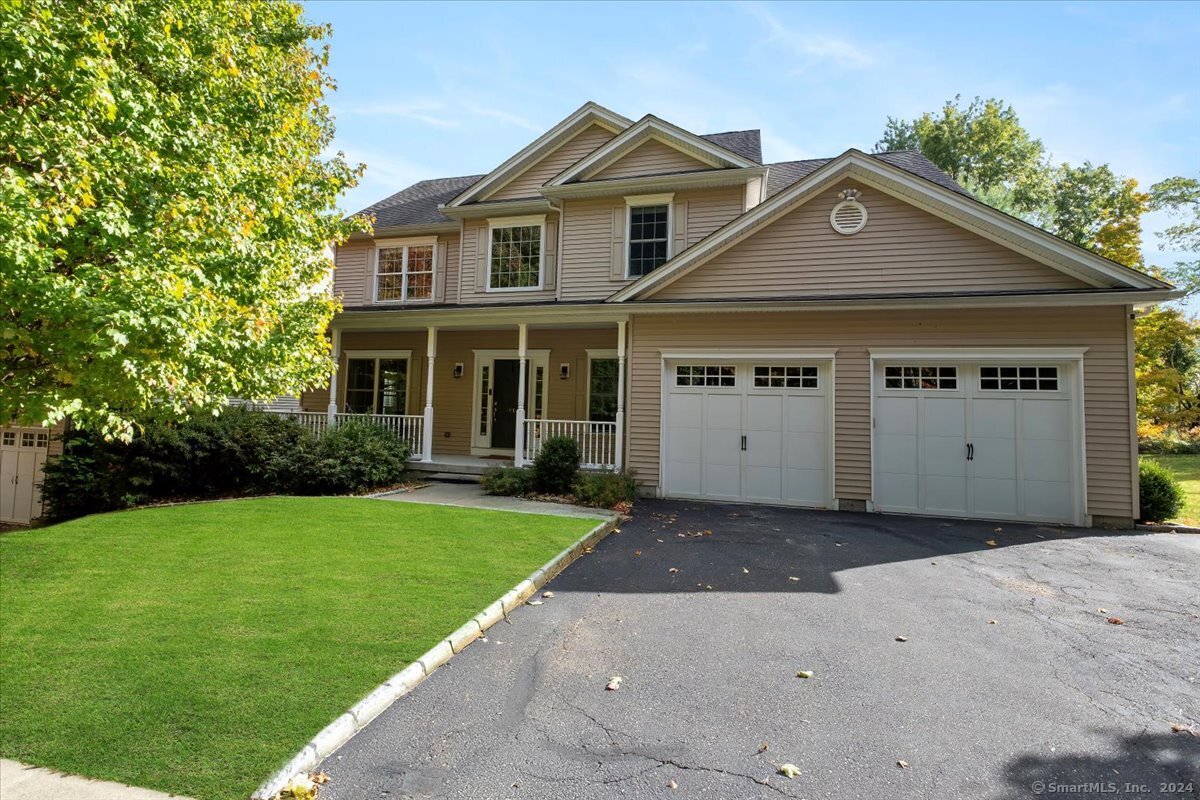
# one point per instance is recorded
(605, 489)
(1161, 494)
(240, 452)
(556, 465)
(353, 457)
(507, 481)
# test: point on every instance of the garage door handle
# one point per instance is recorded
(970, 452)
(743, 443)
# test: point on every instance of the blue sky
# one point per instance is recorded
(434, 90)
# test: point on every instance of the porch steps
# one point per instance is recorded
(456, 468)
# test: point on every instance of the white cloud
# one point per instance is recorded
(810, 45)
(508, 118)
(420, 111)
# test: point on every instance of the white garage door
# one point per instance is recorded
(22, 454)
(753, 431)
(990, 440)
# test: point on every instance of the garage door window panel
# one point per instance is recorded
(705, 375)
(915, 376)
(1018, 379)
(786, 377)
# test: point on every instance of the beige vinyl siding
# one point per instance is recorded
(354, 275)
(853, 333)
(473, 271)
(593, 236)
(527, 183)
(650, 158)
(453, 398)
(902, 249)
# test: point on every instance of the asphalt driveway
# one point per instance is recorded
(1011, 678)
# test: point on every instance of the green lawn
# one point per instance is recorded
(193, 649)
(1186, 470)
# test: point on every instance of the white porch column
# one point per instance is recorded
(620, 443)
(519, 447)
(427, 427)
(335, 336)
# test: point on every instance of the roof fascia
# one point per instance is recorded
(587, 114)
(681, 180)
(534, 205)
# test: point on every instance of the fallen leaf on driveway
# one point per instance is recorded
(319, 777)
(547, 594)
(673, 569)
(658, 540)
(1116, 621)
(991, 622)
(637, 552)
(708, 586)
(1102, 610)
(614, 683)
(1177, 728)
(901, 638)
(762, 748)
(902, 764)
(990, 542)
(672, 785)
(792, 578)
(533, 603)
(804, 673)
(789, 770)
(745, 571)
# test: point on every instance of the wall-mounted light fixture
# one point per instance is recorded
(564, 371)
(458, 369)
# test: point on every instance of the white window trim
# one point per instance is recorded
(376, 355)
(592, 355)
(415, 241)
(495, 223)
(642, 201)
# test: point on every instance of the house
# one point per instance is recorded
(854, 333)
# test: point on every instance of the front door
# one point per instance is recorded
(504, 402)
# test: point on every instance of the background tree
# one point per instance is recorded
(1166, 368)
(983, 146)
(167, 207)
(1094, 208)
(1181, 197)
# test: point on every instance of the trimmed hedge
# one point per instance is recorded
(507, 481)
(241, 452)
(605, 489)
(1161, 495)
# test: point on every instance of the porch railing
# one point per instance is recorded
(408, 427)
(597, 440)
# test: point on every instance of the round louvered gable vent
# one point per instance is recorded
(849, 216)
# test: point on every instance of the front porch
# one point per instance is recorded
(486, 396)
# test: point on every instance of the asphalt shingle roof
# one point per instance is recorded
(418, 204)
(784, 173)
(747, 144)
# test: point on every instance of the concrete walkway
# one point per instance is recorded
(470, 495)
(22, 782)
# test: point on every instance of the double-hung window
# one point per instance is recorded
(404, 270)
(515, 253)
(649, 233)
(376, 384)
(602, 386)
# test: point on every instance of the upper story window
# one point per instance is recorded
(404, 270)
(515, 256)
(649, 233)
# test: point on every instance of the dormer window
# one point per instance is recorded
(404, 270)
(649, 233)
(515, 255)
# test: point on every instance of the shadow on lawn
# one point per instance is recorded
(711, 543)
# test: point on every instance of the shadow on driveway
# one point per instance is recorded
(739, 548)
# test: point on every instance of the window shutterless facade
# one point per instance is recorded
(376, 385)
(404, 270)
(515, 251)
